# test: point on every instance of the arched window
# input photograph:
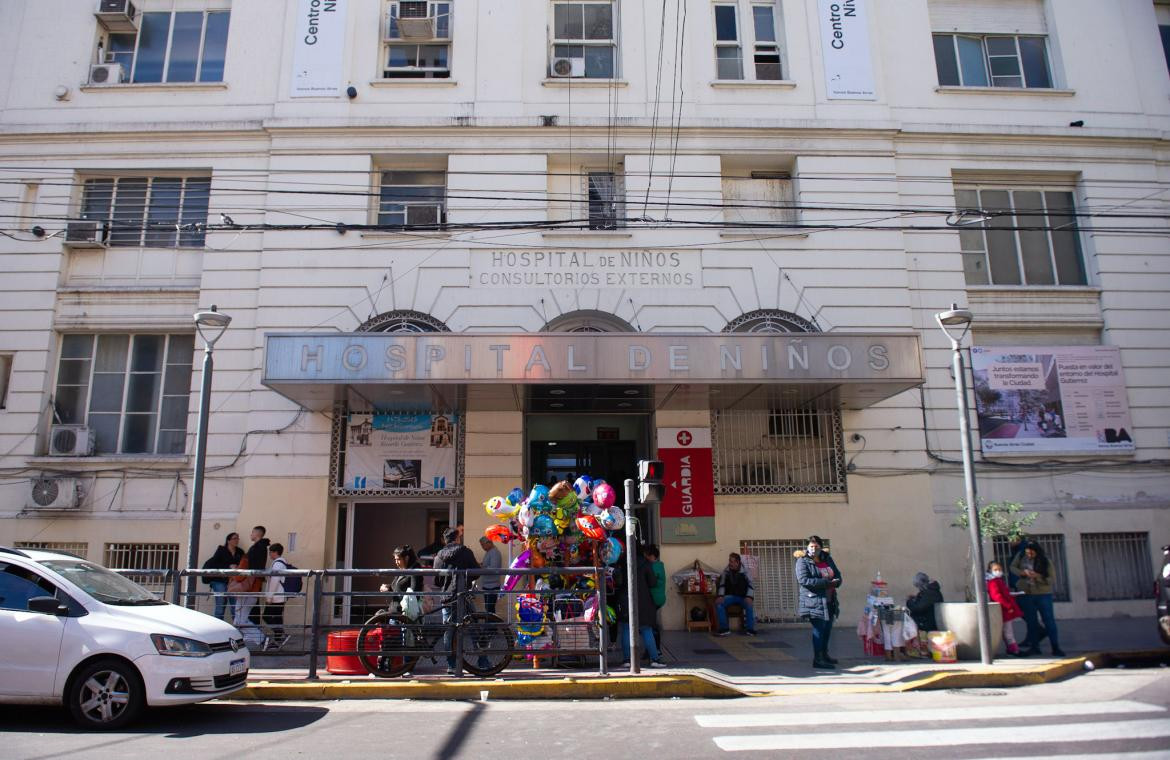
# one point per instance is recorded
(771, 321)
(587, 321)
(403, 321)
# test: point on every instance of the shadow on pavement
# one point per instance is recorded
(184, 722)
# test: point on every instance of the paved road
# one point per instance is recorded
(1115, 713)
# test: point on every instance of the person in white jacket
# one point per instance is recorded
(274, 597)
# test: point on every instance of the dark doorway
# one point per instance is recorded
(557, 460)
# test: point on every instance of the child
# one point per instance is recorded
(997, 589)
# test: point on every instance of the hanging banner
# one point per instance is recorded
(414, 451)
(845, 50)
(319, 49)
(688, 504)
(1051, 400)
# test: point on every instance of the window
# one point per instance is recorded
(1164, 30)
(156, 212)
(184, 46)
(76, 548)
(18, 585)
(965, 60)
(759, 198)
(1045, 251)
(5, 378)
(778, 451)
(584, 36)
(729, 41)
(131, 390)
(417, 43)
(413, 198)
(606, 202)
(1117, 565)
(1053, 546)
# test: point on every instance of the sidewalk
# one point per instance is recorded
(774, 663)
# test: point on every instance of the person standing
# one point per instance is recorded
(1035, 573)
(274, 597)
(997, 590)
(658, 590)
(735, 588)
(226, 557)
(818, 579)
(490, 584)
(647, 612)
(247, 617)
(453, 556)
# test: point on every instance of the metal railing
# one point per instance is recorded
(308, 616)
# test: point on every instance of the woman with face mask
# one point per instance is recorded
(998, 592)
(818, 579)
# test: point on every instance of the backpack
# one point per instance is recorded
(292, 584)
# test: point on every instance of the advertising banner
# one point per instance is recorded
(413, 451)
(1051, 400)
(845, 50)
(688, 504)
(319, 49)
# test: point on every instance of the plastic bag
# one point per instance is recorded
(696, 579)
(410, 606)
(943, 646)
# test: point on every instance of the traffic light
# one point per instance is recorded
(650, 475)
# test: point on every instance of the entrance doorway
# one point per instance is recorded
(566, 460)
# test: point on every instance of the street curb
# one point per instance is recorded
(644, 687)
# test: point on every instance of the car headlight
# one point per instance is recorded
(177, 646)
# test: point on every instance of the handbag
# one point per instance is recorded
(409, 605)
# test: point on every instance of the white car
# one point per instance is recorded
(74, 633)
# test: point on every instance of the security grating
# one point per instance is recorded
(77, 548)
(1053, 546)
(144, 557)
(774, 578)
(777, 451)
(1117, 565)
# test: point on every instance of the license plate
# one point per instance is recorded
(236, 667)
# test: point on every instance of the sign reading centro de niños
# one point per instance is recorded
(845, 50)
(319, 48)
(1051, 400)
(688, 503)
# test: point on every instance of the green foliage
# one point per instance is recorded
(998, 518)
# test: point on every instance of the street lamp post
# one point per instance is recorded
(211, 326)
(961, 318)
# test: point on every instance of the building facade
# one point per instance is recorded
(472, 245)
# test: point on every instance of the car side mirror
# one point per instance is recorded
(48, 605)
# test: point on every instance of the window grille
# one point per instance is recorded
(1117, 565)
(78, 548)
(149, 212)
(774, 577)
(1053, 546)
(778, 451)
(144, 557)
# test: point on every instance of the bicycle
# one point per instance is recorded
(401, 641)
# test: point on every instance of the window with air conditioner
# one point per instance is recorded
(1028, 237)
(170, 46)
(151, 212)
(755, 38)
(413, 199)
(417, 40)
(131, 390)
(584, 40)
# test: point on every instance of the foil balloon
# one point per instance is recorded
(499, 508)
(529, 618)
(612, 518)
(523, 560)
(526, 516)
(591, 528)
(560, 491)
(583, 486)
(611, 550)
(543, 525)
(515, 497)
(538, 493)
(604, 496)
(590, 508)
(501, 534)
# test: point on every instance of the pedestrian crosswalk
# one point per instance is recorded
(1118, 721)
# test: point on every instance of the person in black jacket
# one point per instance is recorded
(921, 605)
(735, 588)
(257, 560)
(226, 557)
(818, 579)
(647, 612)
(453, 556)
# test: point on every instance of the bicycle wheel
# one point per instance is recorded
(390, 633)
(486, 641)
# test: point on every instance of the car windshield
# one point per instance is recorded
(105, 586)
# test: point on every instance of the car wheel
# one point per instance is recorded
(106, 694)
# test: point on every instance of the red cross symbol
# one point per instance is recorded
(684, 438)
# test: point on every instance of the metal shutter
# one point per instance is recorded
(984, 16)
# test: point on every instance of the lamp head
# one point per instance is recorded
(211, 325)
(954, 317)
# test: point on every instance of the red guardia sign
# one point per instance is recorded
(688, 504)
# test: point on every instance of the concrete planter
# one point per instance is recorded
(960, 618)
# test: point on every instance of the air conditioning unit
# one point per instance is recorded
(86, 234)
(106, 74)
(71, 441)
(417, 28)
(424, 215)
(117, 15)
(568, 67)
(54, 493)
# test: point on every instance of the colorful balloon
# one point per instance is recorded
(523, 560)
(515, 497)
(604, 496)
(583, 486)
(613, 518)
(612, 550)
(591, 527)
(526, 516)
(501, 534)
(543, 525)
(538, 493)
